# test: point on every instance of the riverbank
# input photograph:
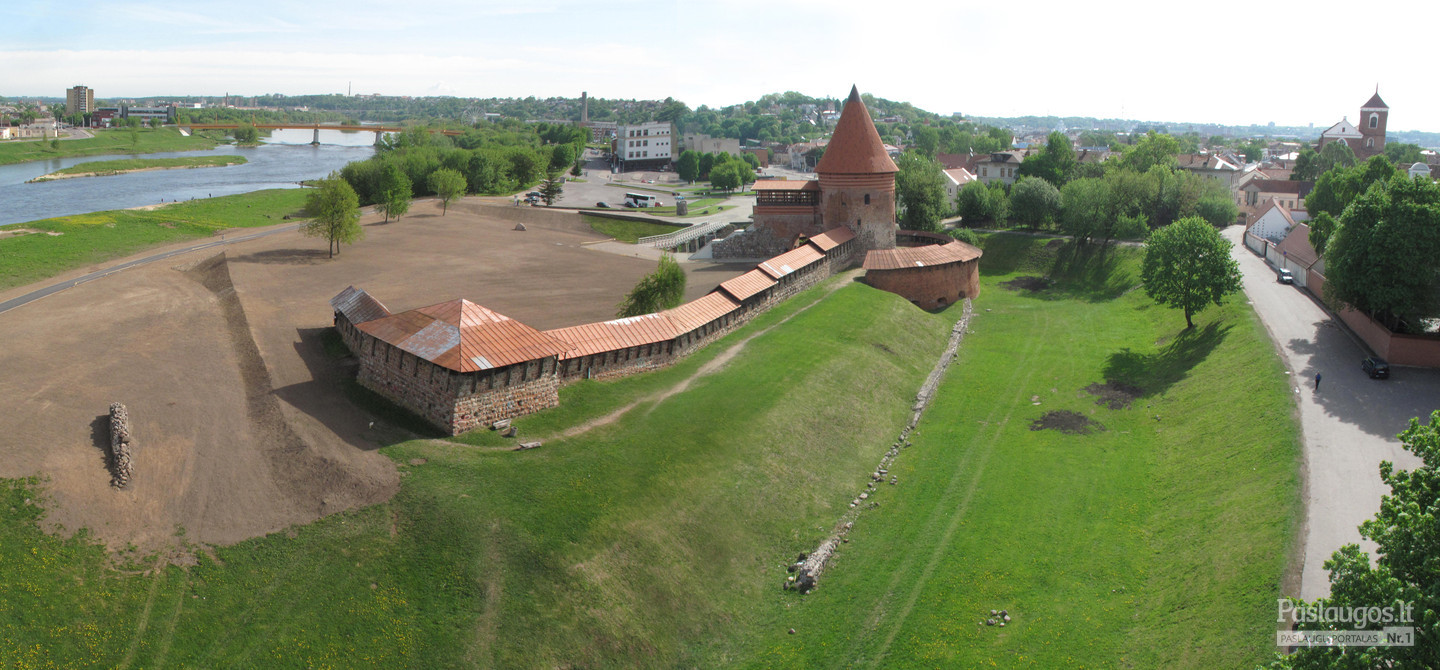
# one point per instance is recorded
(52, 247)
(106, 142)
(127, 165)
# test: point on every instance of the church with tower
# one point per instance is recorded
(1368, 137)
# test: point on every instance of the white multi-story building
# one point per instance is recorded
(644, 146)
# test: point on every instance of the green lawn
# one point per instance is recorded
(105, 168)
(1158, 543)
(659, 540)
(118, 141)
(86, 239)
(627, 231)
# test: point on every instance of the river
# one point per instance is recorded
(285, 159)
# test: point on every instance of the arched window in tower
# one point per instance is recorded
(1369, 143)
(867, 198)
(1374, 120)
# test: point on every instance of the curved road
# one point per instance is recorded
(1347, 427)
(56, 288)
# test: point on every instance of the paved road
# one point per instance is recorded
(1348, 426)
(56, 288)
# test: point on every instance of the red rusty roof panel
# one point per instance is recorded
(358, 306)
(786, 185)
(615, 335)
(463, 336)
(914, 257)
(747, 285)
(832, 238)
(791, 261)
(696, 313)
(855, 146)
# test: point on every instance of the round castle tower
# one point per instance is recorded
(857, 179)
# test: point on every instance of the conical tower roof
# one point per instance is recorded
(1375, 102)
(855, 147)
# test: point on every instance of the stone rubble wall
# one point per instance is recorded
(120, 444)
(809, 566)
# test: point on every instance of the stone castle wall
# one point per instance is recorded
(458, 402)
(454, 401)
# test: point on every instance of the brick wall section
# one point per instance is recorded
(1397, 348)
(930, 287)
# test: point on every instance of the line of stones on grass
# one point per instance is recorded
(807, 567)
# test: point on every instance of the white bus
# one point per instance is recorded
(638, 200)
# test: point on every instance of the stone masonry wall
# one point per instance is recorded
(487, 407)
(451, 400)
(458, 402)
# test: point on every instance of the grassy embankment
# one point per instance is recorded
(659, 540)
(105, 142)
(626, 231)
(121, 166)
(646, 542)
(85, 239)
(1160, 541)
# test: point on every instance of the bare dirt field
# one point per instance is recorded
(241, 426)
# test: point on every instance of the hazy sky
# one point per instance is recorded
(1221, 61)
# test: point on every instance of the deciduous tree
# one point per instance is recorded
(688, 167)
(395, 193)
(1406, 533)
(662, 289)
(1188, 265)
(449, 185)
(972, 203)
(1056, 163)
(1381, 258)
(335, 212)
(1034, 201)
(920, 192)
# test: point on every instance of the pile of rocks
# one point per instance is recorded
(997, 618)
(120, 445)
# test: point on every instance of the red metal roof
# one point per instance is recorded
(786, 185)
(791, 261)
(832, 238)
(915, 257)
(358, 306)
(696, 313)
(748, 284)
(855, 146)
(463, 336)
(595, 338)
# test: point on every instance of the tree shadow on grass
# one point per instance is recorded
(283, 257)
(1092, 273)
(1156, 373)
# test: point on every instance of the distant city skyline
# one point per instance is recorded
(1281, 62)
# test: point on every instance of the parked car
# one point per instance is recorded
(1286, 277)
(601, 204)
(1376, 367)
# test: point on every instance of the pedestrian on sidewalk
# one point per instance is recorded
(1317, 382)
